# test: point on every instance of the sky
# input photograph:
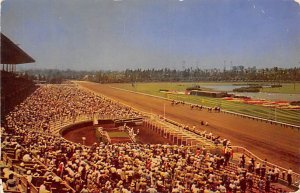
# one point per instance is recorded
(176, 34)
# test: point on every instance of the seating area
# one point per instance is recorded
(165, 167)
(40, 161)
(29, 173)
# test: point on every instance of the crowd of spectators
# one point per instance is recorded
(14, 88)
(12, 83)
(116, 168)
(133, 167)
(55, 102)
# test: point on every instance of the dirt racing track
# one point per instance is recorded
(280, 145)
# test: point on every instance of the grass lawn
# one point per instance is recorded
(287, 116)
(118, 134)
(288, 88)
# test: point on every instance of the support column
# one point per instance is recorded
(184, 141)
(179, 140)
(173, 139)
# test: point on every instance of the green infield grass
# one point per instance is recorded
(287, 88)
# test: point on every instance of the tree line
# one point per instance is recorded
(239, 73)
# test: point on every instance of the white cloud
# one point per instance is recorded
(297, 1)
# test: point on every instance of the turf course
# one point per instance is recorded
(288, 88)
(287, 116)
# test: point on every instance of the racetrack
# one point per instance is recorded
(278, 144)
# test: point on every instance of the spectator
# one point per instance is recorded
(43, 188)
(29, 176)
(12, 183)
(26, 158)
(289, 177)
(84, 189)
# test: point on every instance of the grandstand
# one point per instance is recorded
(14, 88)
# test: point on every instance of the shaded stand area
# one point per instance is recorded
(14, 88)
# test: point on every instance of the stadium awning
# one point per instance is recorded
(12, 54)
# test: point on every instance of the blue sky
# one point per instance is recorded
(120, 34)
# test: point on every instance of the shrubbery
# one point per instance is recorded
(248, 89)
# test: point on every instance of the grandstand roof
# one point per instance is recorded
(13, 54)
